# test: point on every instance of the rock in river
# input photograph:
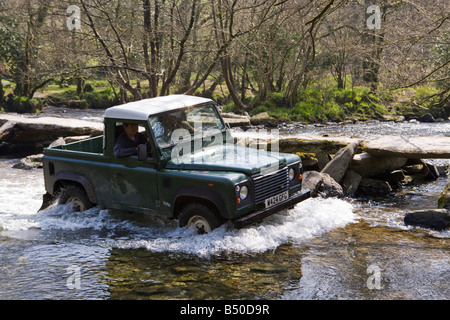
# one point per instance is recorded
(368, 186)
(438, 219)
(444, 198)
(29, 135)
(264, 119)
(321, 184)
(337, 167)
(368, 166)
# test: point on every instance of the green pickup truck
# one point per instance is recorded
(187, 167)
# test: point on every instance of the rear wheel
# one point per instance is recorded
(76, 197)
(199, 216)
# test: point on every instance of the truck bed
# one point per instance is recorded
(92, 145)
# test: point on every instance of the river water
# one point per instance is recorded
(321, 249)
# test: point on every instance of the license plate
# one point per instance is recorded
(270, 202)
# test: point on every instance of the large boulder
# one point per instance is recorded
(321, 184)
(7, 130)
(368, 166)
(312, 180)
(427, 117)
(265, 119)
(321, 147)
(350, 183)
(337, 167)
(22, 136)
(235, 120)
(309, 160)
(330, 188)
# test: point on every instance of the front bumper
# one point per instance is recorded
(260, 215)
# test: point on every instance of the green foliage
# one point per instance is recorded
(315, 105)
(100, 99)
(259, 109)
(89, 100)
(440, 56)
(2, 92)
(231, 107)
(23, 104)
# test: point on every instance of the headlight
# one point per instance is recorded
(291, 174)
(243, 193)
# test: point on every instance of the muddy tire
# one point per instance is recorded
(199, 216)
(76, 196)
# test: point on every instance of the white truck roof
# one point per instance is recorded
(141, 110)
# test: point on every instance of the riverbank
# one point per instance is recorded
(318, 103)
(321, 105)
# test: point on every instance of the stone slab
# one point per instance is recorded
(51, 121)
(437, 147)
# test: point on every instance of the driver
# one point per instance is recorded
(128, 141)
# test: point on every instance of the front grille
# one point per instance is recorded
(270, 185)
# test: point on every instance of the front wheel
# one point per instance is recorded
(200, 217)
(76, 197)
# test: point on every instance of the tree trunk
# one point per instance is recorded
(145, 41)
(227, 75)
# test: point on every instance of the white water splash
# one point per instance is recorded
(309, 219)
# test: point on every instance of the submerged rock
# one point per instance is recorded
(437, 219)
(369, 186)
(30, 162)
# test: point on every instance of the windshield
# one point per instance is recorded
(196, 121)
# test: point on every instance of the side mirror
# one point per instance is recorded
(142, 152)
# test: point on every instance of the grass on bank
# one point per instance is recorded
(317, 105)
(313, 104)
(99, 95)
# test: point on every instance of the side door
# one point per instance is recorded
(134, 184)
